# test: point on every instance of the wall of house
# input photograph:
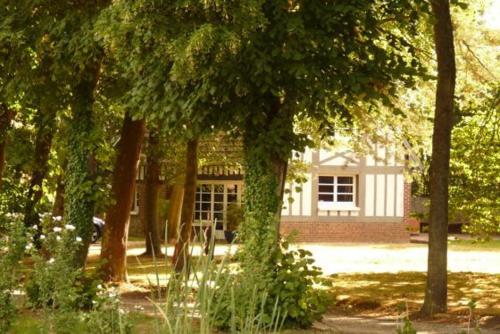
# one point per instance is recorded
(379, 212)
(381, 198)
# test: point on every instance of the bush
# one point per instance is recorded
(12, 247)
(70, 298)
(291, 298)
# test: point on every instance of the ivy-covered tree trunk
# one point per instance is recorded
(266, 152)
(80, 192)
(436, 289)
(265, 174)
(114, 241)
(6, 115)
(174, 212)
(181, 253)
(152, 192)
(46, 122)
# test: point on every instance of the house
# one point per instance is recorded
(347, 197)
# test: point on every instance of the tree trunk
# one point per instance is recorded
(6, 116)
(152, 191)
(436, 290)
(174, 213)
(58, 207)
(43, 143)
(265, 175)
(114, 241)
(181, 253)
(80, 177)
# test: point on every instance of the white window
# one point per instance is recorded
(336, 192)
(135, 203)
(212, 200)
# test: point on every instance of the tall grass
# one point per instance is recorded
(193, 298)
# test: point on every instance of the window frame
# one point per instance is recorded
(336, 205)
(225, 202)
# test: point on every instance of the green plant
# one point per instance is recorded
(292, 295)
(70, 298)
(234, 216)
(404, 325)
(12, 248)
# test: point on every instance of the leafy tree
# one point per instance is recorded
(475, 166)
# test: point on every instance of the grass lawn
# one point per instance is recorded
(386, 293)
(468, 245)
(353, 294)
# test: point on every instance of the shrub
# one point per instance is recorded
(292, 295)
(12, 247)
(70, 298)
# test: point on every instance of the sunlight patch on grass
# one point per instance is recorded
(385, 291)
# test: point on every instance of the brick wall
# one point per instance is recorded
(347, 231)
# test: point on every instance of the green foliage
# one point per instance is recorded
(294, 295)
(12, 248)
(406, 327)
(475, 166)
(54, 283)
(297, 288)
(69, 298)
(234, 216)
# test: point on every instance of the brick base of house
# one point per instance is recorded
(347, 232)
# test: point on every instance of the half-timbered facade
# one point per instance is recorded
(346, 196)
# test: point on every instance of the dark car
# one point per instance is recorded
(98, 228)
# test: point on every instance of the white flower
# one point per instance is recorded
(35, 227)
(28, 246)
(99, 287)
(58, 238)
(57, 229)
(78, 239)
(52, 260)
(42, 236)
(69, 227)
(57, 218)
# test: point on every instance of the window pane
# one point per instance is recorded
(344, 180)
(204, 215)
(197, 206)
(344, 198)
(219, 225)
(206, 197)
(205, 206)
(218, 207)
(206, 188)
(326, 189)
(219, 198)
(197, 215)
(326, 179)
(219, 188)
(344, 189)
(325, 197)
(218, 216)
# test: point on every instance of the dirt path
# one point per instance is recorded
(383, 325)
